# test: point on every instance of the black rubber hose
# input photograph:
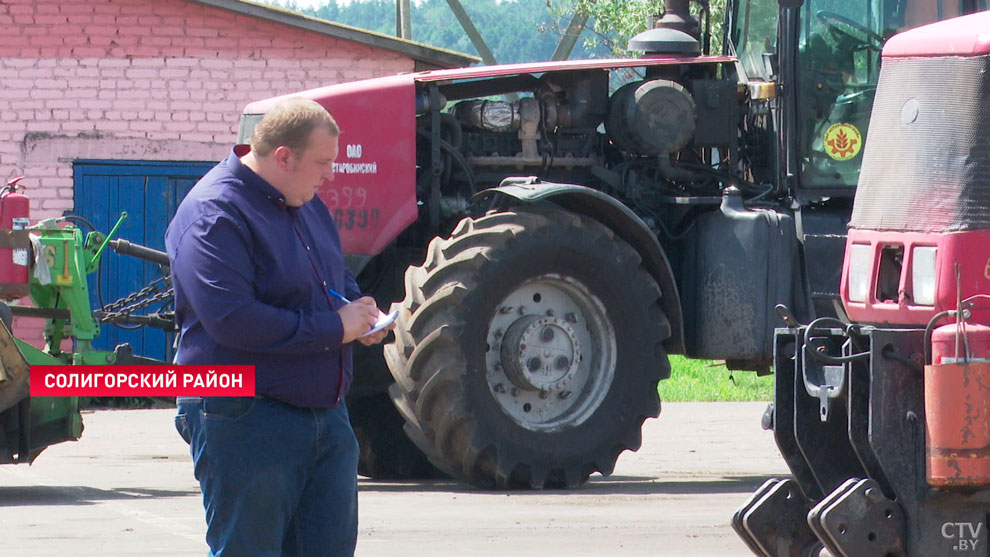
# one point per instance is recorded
(124, 247)
(929, 329)
(825, 358)
(83, 220)
(456, 154)
(891, 354)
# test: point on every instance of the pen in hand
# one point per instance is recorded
(379, 324)
(342, 298)
(338, 295)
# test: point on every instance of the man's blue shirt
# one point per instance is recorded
(251, 276)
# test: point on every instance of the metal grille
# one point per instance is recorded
(926, 166)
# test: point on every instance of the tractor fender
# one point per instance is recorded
(617, 217)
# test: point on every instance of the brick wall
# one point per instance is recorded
(145, 80)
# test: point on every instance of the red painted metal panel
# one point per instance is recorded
(372, 86)
(971, 250)
(373, 194)
(962, 36)
(540, 67)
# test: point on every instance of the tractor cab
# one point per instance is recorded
(833, 73)
(920, 227)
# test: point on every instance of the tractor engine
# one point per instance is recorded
(516, 134)
(662, 133)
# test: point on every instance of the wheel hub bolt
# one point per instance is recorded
(505, 309)
(563, 395)
(514, 391)
(499, 388)
(544, 394)
(522, 310)
(546, 335)
(562, 362)
(534, 363)
(570, 318)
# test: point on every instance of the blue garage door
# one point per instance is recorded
(149, 192)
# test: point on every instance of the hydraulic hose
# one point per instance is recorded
(826, 358)
(124, 247)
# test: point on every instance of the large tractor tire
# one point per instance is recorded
(386, 452)
(528, 350)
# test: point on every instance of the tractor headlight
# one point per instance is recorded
(860, 257)
(923, 275)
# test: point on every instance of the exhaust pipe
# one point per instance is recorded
(677, 15)
(676, 33)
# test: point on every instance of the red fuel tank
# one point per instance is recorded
(957, 407)
(14, 257)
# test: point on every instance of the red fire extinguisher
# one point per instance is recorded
(14, 261)
(957, 406)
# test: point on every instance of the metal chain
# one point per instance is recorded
(152, 288)
(147, 296)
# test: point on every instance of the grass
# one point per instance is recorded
(707, 381)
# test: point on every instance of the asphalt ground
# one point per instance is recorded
(126, 488)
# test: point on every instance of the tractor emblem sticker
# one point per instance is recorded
(842, 141)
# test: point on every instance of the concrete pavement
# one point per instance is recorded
(126, 488)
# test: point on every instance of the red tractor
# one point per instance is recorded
(667, 204)
(884, 419)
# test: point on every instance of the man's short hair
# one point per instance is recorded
(290, 123)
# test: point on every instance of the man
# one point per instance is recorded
(254, 256)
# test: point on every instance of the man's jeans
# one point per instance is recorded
(276, 479)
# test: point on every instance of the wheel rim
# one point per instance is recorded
(551, 353)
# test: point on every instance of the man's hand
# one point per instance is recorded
(377, 336)
(358, 317)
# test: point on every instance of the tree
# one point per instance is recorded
(515, 30)
(614, 22)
